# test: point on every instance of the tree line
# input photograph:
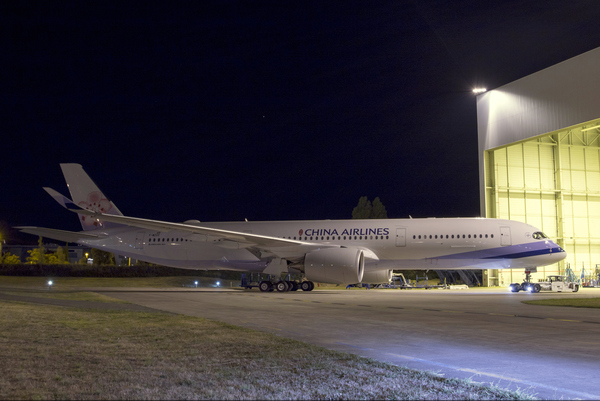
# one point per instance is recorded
(369, 210)
(41, 256)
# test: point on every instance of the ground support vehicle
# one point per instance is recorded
(399, 281)
(553, 283)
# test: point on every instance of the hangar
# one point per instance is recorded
(539, 161)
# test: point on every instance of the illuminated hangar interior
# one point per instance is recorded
(539, 161)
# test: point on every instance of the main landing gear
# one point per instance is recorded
(285, 286)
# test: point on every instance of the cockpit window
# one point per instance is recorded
(539, 235)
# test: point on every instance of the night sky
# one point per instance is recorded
(225, 110)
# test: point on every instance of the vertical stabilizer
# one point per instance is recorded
(87, 195)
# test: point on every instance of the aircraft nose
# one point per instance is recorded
(556, 252)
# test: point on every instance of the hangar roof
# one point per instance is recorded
(557, 97)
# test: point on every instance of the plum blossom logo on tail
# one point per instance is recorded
(96, 203)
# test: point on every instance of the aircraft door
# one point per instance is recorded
(505, 236)
(400, 236)
(139, 240)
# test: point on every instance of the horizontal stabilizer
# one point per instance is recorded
(61, 235)
(61, 199)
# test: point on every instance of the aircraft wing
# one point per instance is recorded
(61, 235)
(158, 225)
(227, 238)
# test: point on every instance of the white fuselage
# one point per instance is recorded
(459, 243)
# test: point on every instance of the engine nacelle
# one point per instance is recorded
(377, 277)
(335, 265)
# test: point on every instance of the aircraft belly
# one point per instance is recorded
(438, 264)
(207, 251)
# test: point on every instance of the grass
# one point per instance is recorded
(572, 302)
(70, 295)
(66, 283)
(69, 353)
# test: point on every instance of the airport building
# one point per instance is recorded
(539, 161)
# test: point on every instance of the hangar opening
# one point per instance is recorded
(539, 144)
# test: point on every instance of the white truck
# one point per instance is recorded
(553, 283)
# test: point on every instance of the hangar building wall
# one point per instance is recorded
(539, 160)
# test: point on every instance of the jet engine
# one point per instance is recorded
(335, 265)
(377, 277)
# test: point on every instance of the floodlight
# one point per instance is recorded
(218, 283)
(477, 91)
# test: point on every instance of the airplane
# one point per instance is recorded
(324, 251)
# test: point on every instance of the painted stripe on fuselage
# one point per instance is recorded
(509, 252)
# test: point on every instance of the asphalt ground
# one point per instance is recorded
(487, 335)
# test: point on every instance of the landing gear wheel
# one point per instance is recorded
(537, 288)
(282, 286)
(265, 286)
(294, 285)
(576, 288)
(305, 286)
(514, 287)
(312, 285)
